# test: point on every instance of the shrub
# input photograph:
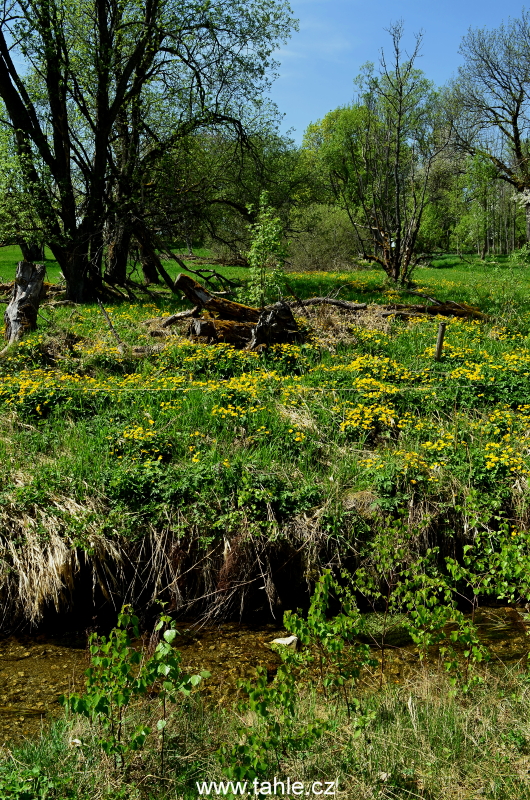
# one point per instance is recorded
(325, 240)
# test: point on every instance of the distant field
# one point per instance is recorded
(495, 286)
(11, 255)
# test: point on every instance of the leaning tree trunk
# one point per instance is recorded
(118, 253)
(21, 313)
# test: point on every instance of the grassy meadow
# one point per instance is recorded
(225, 482)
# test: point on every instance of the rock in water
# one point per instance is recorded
(287, 641)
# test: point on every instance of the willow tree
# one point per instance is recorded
(377, 156)
(94, 88)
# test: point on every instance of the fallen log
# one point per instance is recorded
(59, 303)
(21, 313)
(216, 306)
(449, 309)
(193, 312)
(329, 301)
(165, 322)
(217, 330)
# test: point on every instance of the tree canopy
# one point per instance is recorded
(107, 88)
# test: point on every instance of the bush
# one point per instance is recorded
(326, 240)
(520, 257)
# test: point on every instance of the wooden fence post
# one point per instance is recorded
(440, 340)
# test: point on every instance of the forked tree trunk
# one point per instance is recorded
(21, 313)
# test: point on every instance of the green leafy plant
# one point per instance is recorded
(274, 731)
(520, 256)
(433, 619)
(266, 257)
(121, 674)
(328, 644)
(331, 642)
(31, 783)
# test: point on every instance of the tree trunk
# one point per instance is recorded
(118, 253)
(21, 313)
(83, 279)
(31, 251)
(149, 266)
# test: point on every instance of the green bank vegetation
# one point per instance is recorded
(351, 476)
(354, 451)
(142, 731)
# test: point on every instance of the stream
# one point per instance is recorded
(36, 671)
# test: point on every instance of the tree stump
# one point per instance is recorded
(276, 325)
(21, 313)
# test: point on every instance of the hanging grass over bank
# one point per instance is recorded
(207, 473)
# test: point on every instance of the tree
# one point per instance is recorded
(208, 188)
(492, 101)
(378, 155)
(19, 221)
(107, 87)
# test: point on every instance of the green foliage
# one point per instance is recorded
(332, 642)
(266, 257)
(327, 643)
(324, 239)
(31, 783)
(275, 732)
(521, 256)
(121, 674)
(376, 157)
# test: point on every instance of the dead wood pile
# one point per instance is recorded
(216, 319)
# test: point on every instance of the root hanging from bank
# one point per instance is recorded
(84, 560)
(66, 557)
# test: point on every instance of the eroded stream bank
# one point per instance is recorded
(36, 671)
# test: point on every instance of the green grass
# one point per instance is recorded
(417, 741)
(216, 472)
(216, 441)
(11, 255)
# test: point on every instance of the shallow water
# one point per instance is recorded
(35, 672)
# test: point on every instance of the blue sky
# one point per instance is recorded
(336, 37)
